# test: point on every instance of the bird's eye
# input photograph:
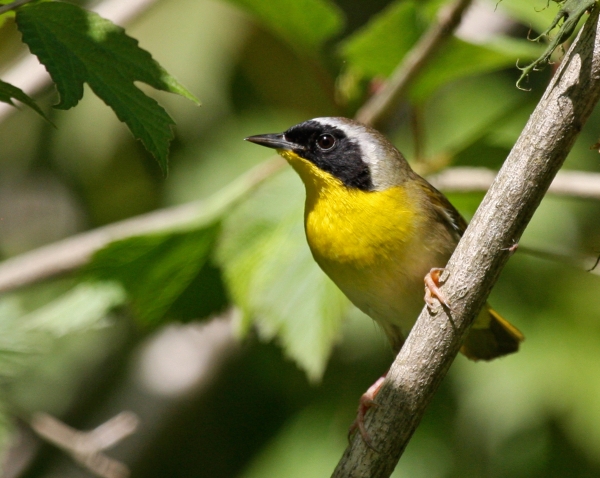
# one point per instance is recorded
(326, 142)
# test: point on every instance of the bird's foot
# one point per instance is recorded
(367, 401)
(432, 288)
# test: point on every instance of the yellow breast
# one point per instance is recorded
(371, 244)
(351, 226)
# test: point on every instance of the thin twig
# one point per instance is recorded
(13, 6)
(378, 108)
(580, 184)
(587, 262)
(479, 257)
(86, 448)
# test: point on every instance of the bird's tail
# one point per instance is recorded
(491, 336)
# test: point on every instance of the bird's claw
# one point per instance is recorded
(432, 288)
(367, 401)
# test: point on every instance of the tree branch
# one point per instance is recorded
(581, 184)
(479, 257)
(12, 6)
(86, 448)
(74, 252)
(377, 109)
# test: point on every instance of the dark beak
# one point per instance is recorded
(275, 141)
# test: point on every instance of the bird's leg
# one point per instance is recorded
(432, 288)
(367, 400)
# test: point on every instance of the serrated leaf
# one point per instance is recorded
(9, 92)
(154, 269)
(377, 48)
(272, 276)
(77, 46)
(304, 24)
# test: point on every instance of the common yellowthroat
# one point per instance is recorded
(378, 229)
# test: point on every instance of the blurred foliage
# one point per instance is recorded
(275, 281)
(155, 270)
(72, 347)
(304, 24)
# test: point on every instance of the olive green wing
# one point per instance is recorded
(444, 210)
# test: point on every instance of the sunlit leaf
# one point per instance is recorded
(274, 279)
(376, 49)
(304, 24)
(154, 269)
(16, 343)
(84, 306)
(77, 46)
(25, 333)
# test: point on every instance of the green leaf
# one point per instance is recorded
(154, 269)
(8, 92)
(26, 332)
(377, 48)
(459, 59)
(274, 279)
(77, 47)
(84, 306)
(6, 438)
(304, 24)
(16, 343)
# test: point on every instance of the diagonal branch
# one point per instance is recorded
(377, 109)
(479, 257)
(74, 252)
(12, 6)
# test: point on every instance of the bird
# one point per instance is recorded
(381, 232)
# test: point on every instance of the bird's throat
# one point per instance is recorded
(349, 226)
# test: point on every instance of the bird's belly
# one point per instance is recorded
(370, 246)
(389, 294)
(383, 279)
